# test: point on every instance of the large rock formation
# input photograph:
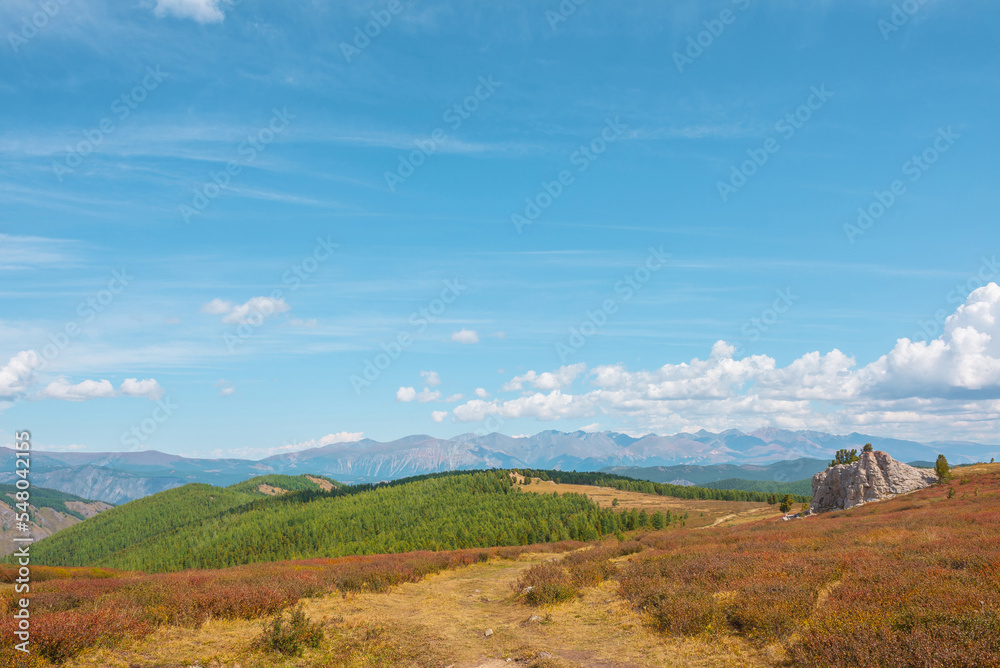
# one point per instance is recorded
(875, 477)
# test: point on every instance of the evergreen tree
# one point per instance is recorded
(786, 504)
(942, 468)
(845, 457)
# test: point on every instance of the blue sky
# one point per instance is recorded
(283, 201)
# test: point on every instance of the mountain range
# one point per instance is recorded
(119, 477)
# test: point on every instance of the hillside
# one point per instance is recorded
(796, 488)
(782, 471)
(911, 581)
(200, 526)
(661, 489)
(50, 511)
(276, 483)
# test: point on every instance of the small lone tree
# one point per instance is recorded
(868, 448)
(786, 504)
(942, 468)
(845, 457)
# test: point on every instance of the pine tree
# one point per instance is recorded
(942, 468)
(786, 504)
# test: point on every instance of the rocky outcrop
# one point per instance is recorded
(875, 477)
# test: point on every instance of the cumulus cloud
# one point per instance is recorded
(482, 393)
(431, 378)
(947, 386)
(439, 416)
(202, 11)
(465, 336)
(148, 388)
(16, 375)
(550, 380)
(62, 390)
(253, 311)
(408, 394)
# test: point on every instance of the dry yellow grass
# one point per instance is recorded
(701, 513)
(975, 469)
(441, 622)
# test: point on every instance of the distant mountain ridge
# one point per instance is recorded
(120, 477)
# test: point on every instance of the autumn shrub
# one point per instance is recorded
(545, 583)
(59, 636)
(290, 638)
(769, 609)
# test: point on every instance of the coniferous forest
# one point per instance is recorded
(201, 526)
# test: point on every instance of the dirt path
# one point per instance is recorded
(442, 622)
(450, 613)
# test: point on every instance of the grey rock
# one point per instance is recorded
(875, 477)
(488, 633)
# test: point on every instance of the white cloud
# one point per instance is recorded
(148, 388)
(454, 397)
(945, 388)
(62, 390)
(260, 453)
(550, 380)
(431, 378)
(591, 428)
(16, 375)
(202, 11)
(465, 336)
(226, 388)
(254, 311)
(408, 394)
(439, 416)
(482, 393)
(217, 307)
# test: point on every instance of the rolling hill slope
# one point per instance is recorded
(200, 526)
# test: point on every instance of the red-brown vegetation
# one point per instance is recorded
(913, 581)
(73, 610)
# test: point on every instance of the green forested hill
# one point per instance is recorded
(200, 526)
(136, 523)
(289, 483)
(796, 488)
